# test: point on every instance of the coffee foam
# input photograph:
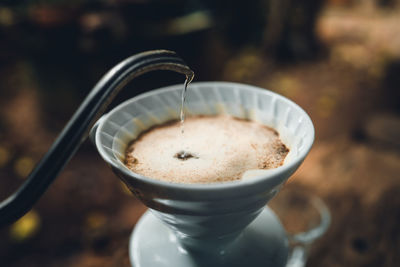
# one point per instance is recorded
(223, 149)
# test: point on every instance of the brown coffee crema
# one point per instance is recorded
(219, 148)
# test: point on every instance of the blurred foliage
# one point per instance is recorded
(66, 46)
(341, 65)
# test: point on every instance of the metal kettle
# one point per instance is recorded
(77, 129)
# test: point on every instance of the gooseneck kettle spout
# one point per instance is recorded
(77, 129)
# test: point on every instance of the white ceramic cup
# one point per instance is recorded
(205, 217)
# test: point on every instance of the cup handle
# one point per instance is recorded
(301, 242)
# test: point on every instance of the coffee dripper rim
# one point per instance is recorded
(274, 177)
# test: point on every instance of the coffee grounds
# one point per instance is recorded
(218, 148)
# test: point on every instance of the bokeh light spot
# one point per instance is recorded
(95, 220)
(23, 166)
(26, 227)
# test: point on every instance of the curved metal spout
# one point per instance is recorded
(77, 129)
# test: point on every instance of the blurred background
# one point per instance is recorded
(338, 59)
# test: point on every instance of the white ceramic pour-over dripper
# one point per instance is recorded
(206, 222)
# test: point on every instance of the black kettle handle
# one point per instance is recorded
(77, 129)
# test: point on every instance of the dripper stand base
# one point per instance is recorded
(262, 243)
